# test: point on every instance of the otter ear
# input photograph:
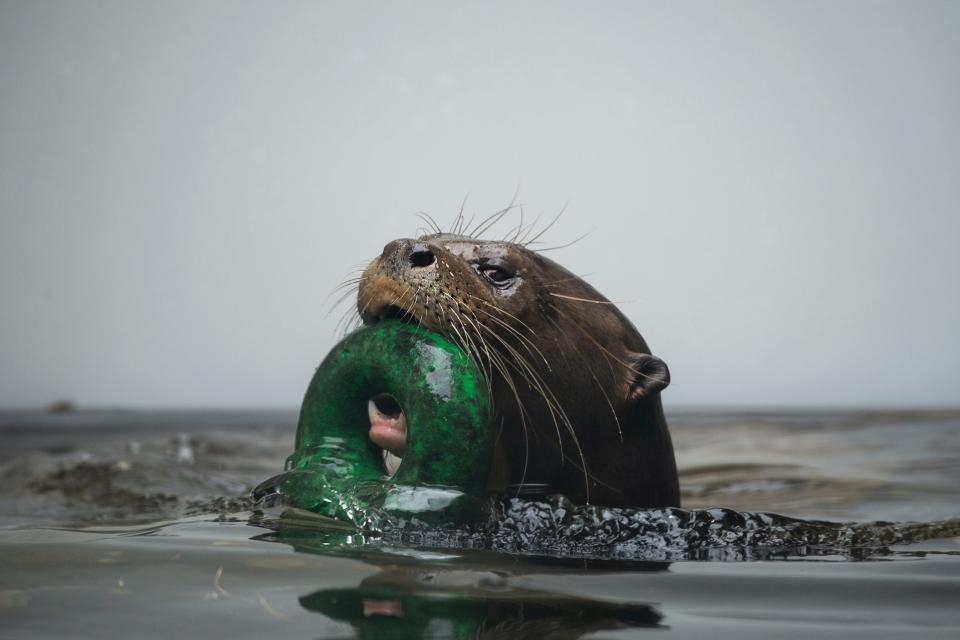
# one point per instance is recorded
(651, 376)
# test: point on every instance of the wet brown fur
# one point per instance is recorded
(576, 396)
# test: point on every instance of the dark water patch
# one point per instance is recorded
(136, 480)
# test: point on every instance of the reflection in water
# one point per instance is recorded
(419, 594)
(377, 610)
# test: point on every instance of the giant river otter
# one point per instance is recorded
(575, 388)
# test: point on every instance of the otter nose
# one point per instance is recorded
(393, 249)
(408, 254)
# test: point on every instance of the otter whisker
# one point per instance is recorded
(495, 361)
(494, 218)
(564, 246)
(504, 312)
(536, 383)
(357, 270)
(531, 348)
(350, 292)
(524, 416)
(531, 377)
(345, 317)
(522, 240)
(457, 225)
(515, 230)
(469, 345)
(358, 319)
(593, 375)
(354, 323)
(346, 283)
(468, 222)
(501, 367)
(587, 474)
(524, 232)
(397, 302)
(492, 365)
(546, 228)
(460, 317)
(528, 371)
(579, 276)
(363, 309)
(589, 337)
(427, 218)
(413, 305)
(575, 299)
(345, 296)
(349, 284)
(346, 321)
(555, 410)
(630, 367)
(519, 226)
(483, 342)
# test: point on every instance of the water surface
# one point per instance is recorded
(137, 524)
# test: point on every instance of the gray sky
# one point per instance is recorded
(772, 187)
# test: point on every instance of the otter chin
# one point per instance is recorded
(575, 389)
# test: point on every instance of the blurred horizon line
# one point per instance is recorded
(71, 409)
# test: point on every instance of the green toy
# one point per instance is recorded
(337, 471)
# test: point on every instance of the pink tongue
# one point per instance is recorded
(387, 431)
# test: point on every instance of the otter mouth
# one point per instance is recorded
(392, 312)
(388, 429)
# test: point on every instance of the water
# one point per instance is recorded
(137, 524)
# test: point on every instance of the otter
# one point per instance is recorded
(575, 388)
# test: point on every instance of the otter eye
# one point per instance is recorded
(496, 276)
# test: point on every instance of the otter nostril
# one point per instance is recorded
(422, 257)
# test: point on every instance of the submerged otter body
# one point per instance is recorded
(574, 386)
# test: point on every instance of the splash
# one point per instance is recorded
(556, 527)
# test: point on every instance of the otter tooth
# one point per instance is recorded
(372, 412)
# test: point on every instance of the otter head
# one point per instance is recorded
(575, 389)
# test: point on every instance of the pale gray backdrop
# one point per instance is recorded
(772, 187)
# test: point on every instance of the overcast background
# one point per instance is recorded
(771, 187)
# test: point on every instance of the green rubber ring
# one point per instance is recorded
(448, 413)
